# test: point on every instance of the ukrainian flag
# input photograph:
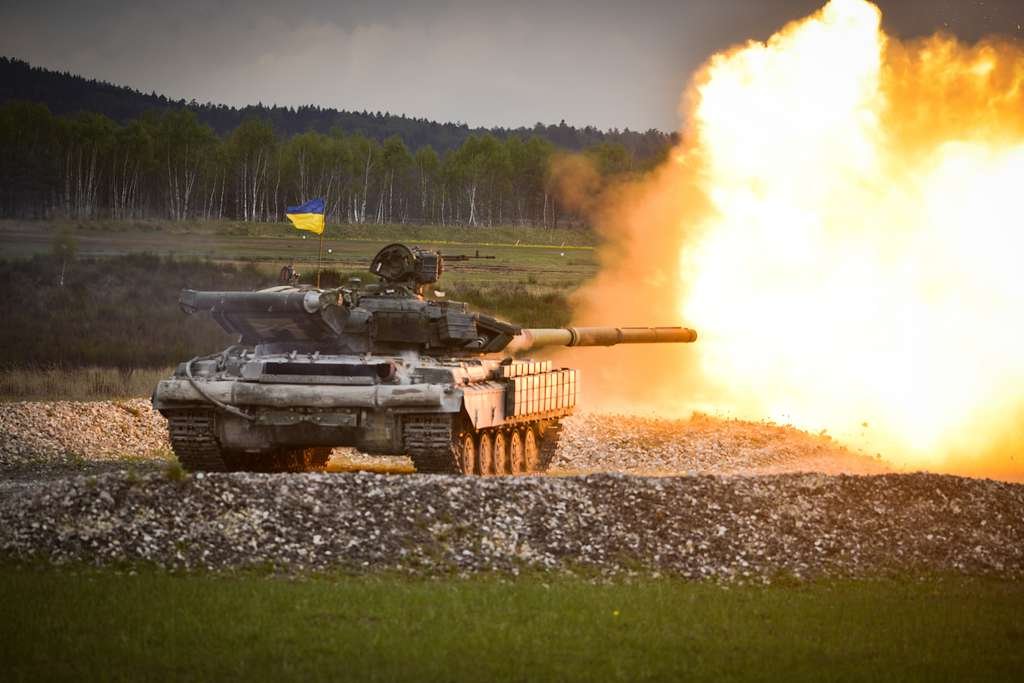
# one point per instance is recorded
(308, 216)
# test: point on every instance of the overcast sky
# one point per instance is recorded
(610, 64)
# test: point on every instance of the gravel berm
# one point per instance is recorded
(752, 528)
(55, 432)
(38, 435)
(718, 526)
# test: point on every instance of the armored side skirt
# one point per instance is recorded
(365, 417)
(420, 396)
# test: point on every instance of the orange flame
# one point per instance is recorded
(844, 225)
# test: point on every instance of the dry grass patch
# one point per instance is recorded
(78, 384)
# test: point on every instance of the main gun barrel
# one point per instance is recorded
(532, 338)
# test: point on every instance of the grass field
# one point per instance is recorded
(118, 306)
(550, 259)
(122, 312)
(498, 234)
(92, 625)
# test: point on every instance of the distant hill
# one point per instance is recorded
(66, 93)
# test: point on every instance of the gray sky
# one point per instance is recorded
(610, 64)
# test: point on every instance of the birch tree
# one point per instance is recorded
(252, 146)
(182, 144)
(88, 140)
(427, 169)
(395, 161)
(132, 159)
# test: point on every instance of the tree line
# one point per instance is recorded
(66, 93)
(168, 164)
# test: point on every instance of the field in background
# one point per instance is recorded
(87, 624)
(122, 311)
(114, 326)
(498, 234)
(545, 259)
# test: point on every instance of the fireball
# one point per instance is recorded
(845, 217)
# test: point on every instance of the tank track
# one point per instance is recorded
(194, 441)
(549, 444)
(430, 444)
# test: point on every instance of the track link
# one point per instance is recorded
(194, 441)
(549, 444)
(430, 443)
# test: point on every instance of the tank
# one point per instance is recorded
(378, 367)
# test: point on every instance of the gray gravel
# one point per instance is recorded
(68, 432)
(94, 435)
(728, 528)
(88, 482)
(700, 445)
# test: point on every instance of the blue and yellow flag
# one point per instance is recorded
(308, 216)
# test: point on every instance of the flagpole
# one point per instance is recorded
(320, 256)
(300, 216)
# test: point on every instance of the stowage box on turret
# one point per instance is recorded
(379, 368)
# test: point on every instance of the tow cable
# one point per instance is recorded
(202, 392)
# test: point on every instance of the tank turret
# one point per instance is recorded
(378, 367)
(377, 320)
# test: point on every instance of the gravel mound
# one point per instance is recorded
(700, 445)
(62, 431)
(725, 528)
(719, 527)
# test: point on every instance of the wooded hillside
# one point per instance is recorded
(167, 162)
(66, 93)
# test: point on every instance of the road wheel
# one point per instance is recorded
(531, 450)
(485, 453)
(516, 457)
(468, 455)
(501, 464)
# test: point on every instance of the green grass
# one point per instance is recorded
(498, 234)
(517, 303)
(539, 259)
(76, 625)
